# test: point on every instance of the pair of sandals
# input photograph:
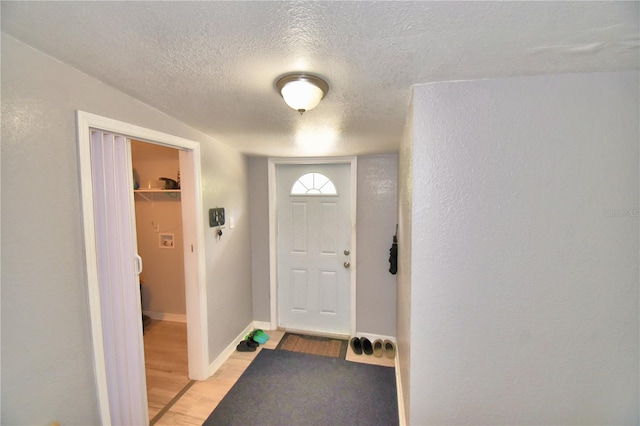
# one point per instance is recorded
(252, 341)
(379, 347)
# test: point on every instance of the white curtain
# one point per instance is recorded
(118, 270)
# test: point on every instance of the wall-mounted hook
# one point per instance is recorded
(219, 232)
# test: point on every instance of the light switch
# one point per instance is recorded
(232, 222)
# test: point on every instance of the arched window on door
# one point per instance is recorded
(313, 184)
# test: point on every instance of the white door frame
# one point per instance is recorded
(273, 261)
(193, 221)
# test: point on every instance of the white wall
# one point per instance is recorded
(225, 176)
(376, 218)
(46, 342)
(259, 208)
(524, 288)
(403, 294)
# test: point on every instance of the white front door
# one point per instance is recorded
(313, 247)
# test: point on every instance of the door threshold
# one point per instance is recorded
(342, 336)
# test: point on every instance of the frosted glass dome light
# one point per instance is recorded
(302, 92)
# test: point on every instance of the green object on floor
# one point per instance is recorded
(260, 336)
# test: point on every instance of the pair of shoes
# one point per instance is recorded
(245, 347)
(361, 345)
(385, 347)
(259, 336)
(379, 347)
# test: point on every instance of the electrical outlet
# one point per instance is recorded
(166, 241)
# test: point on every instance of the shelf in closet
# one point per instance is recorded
(147, 193)
(156, 190)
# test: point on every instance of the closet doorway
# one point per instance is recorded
(113, 265)
(158, 214)
(158, 211)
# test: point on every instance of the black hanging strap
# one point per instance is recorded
(393, 254)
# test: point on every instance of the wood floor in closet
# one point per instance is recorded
(166, 362)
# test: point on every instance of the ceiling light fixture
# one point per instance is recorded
(301, 91)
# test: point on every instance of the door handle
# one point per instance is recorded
(347, 264)
(347, 252)
(138, 261)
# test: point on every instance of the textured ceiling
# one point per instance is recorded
(213, 64)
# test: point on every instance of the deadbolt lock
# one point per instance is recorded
(347, 252)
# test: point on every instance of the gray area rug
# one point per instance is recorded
(290, 388)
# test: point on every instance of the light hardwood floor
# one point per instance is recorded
(165, 354)
(196, 404)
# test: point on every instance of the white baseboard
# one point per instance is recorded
(262, 325)
(373, 337)
(164, 316)
(217, 363)
(401, 415)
